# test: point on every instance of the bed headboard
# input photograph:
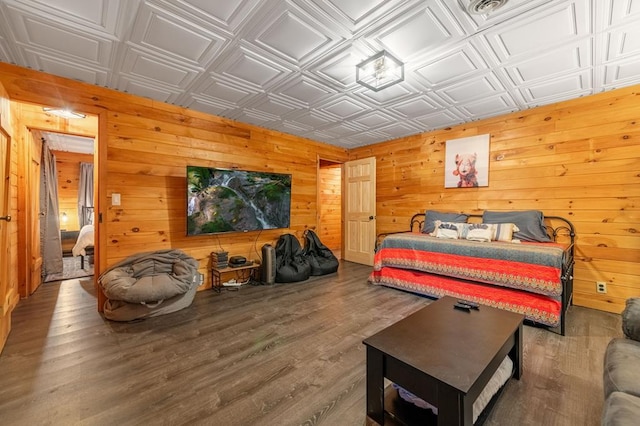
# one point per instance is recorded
(559, 229)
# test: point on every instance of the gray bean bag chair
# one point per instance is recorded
(149, 284)
(118, 310)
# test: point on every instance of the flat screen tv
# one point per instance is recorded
(221, 200)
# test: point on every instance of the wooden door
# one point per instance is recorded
(360, 210)
(7, 291)
(33, 216)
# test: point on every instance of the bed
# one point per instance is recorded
(518, 261)
(84, 244)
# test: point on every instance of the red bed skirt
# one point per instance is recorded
(535, 307)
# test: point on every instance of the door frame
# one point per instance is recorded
(24, 261)
(321, 158)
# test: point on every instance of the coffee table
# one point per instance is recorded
(444, 356)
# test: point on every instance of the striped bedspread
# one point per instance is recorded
(531, 267)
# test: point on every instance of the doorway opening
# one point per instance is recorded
(330, 205)
(74, 159)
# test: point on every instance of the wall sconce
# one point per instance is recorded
(64, 217)
(63, 113)
(380, 71)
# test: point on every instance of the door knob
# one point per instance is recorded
(7, 218)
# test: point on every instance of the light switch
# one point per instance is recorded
(115, 199)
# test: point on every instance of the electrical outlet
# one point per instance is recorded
(601, 287)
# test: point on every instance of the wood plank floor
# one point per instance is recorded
(287, 354)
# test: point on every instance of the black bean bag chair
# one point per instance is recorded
(320, 257)
(291, 264)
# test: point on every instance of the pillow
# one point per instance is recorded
(631, 318)
(479, 232)
(529, 222)
(504, 231)
(486, 231)
(431, 216)
(449, 230)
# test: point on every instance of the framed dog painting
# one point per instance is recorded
(467, 162)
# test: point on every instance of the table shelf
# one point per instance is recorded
(242, 273)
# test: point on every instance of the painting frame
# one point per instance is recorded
(467, 162)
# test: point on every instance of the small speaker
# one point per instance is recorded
(268, 264)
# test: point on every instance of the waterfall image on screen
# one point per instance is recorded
(220, 200)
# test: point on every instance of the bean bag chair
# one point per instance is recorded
(320, 257)
(118, 310)
(160, 282)
(291, 265)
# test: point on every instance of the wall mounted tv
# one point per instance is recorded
(221, 200)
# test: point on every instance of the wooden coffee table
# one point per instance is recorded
(444, 356)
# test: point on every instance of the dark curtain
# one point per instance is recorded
(50, 241)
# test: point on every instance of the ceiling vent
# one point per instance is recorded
(485, 7)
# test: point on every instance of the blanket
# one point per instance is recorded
(85, 239)
(535, 307)
(532, 267)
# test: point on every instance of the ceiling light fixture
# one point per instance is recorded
(64, 113)
(380, 71)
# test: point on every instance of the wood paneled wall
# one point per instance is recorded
(68, 166)
(147, 159)
(577, 159)
(147, 146)
(330, 199)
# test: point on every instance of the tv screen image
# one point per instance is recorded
(221, 200)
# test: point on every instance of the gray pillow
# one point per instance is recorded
(431, 216)
(631, 319)
(530, 223)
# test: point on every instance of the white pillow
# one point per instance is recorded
(448, 230)
(479, 232)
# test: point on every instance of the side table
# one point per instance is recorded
(244, 273)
